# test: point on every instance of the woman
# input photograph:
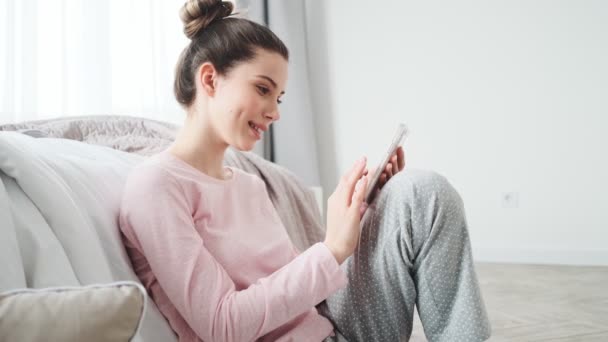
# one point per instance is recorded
(209, 247)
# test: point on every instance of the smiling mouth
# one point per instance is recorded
(257, 131)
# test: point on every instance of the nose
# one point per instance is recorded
(273, 114)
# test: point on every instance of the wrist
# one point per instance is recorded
(338, 255)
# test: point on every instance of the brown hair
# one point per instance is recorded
(216, 36)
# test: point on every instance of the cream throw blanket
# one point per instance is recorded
(293, 200)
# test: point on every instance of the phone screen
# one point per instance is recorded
(398, 138)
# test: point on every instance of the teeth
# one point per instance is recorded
(254, 127)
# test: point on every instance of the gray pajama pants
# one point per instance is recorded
(414, 250)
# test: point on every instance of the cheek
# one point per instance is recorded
(227, 108)
(239, 104)
(249, 104)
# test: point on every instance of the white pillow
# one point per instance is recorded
(95, 313)
(59, 203)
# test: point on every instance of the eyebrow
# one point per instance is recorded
(271, 81)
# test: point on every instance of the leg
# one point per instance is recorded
(414, 250)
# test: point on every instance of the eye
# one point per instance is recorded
(263, 90)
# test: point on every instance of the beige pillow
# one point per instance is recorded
(95, 313)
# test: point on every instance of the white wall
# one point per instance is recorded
(500, 96)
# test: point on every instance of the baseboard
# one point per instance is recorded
(541, 256)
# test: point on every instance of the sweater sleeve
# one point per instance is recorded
(158, 217)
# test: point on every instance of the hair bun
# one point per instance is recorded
(198, 14)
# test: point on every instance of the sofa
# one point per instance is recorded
(60, 246)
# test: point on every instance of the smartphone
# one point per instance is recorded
(400, 135)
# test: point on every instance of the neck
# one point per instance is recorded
(198, 144)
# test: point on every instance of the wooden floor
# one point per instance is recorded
(542, 302)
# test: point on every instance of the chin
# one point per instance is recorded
(243, 143)
(244, 147)
(249, 149)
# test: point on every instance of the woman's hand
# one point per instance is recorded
(343, 219)
(395, 165)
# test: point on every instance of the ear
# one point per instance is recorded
(207, 78)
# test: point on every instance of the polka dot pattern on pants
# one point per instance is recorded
(414, 251)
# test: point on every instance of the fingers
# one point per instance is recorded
(362, 210)
(389, 169)
(396, 163)
(400, 158)
(370, 173)
(349, 180)
(395, 166)
(356, 172)
(359, 196)
(359, 164)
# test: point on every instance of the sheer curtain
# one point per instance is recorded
(72, 57)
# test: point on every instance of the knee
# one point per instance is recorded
(424, 185)
(415, 204)
(431, 205)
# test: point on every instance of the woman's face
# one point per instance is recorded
(248, 95)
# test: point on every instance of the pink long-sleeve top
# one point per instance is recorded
(216, 259)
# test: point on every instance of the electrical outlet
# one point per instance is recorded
(510, 200)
